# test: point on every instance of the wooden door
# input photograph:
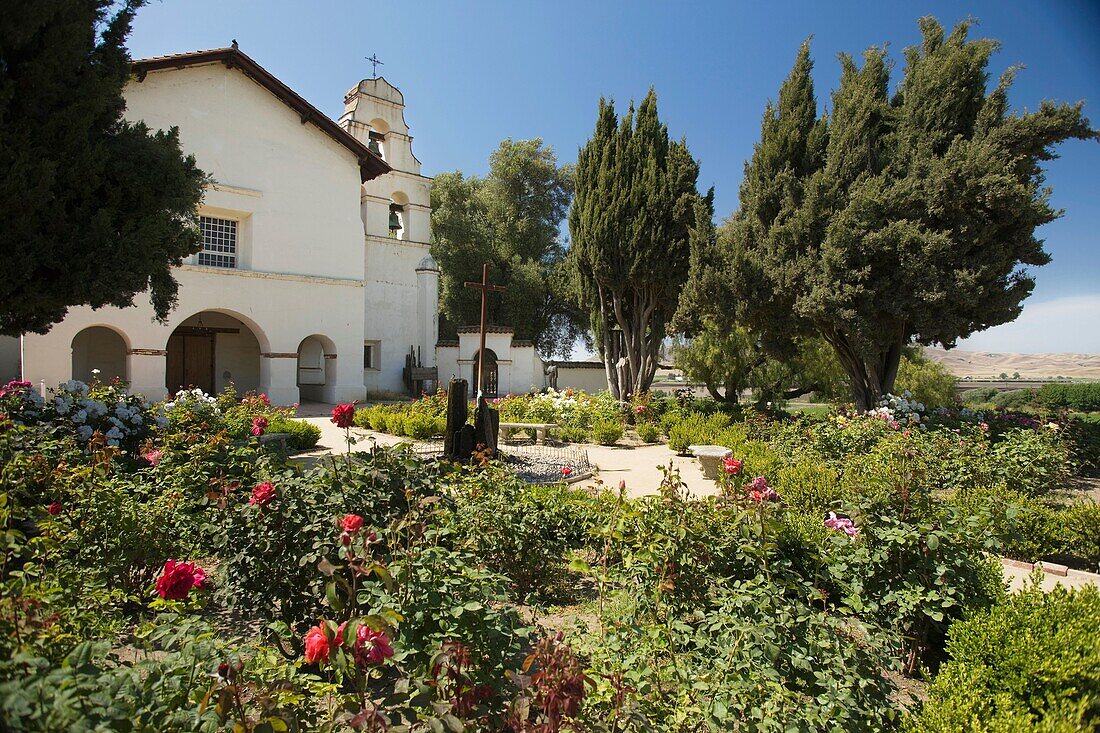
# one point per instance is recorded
(190, 362)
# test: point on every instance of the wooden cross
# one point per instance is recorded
(484, 287)
(373, 58)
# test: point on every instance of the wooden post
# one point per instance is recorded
(457, 412)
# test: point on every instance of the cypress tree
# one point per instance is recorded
(95, 209)
(894, 220)
(635, 205)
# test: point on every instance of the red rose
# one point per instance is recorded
(732, 465)
(259, 425)
(317, 646)
(371, 647)
(352, 523)
(54, 509)
(178, 578)
(263, 494)
(566, 471)
(343, 416)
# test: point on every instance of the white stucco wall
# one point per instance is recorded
(520, 369)
(296, 193)
(588, 379)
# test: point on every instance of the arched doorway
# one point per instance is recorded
(99, 353)
(316, 369)
(212, 350)
(490, 372)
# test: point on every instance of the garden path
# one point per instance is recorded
(639, 467)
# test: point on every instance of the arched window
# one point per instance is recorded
(490, 372)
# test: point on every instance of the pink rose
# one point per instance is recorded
(732, 465)
(178, 578)
(317, 646)
(759, 491)
(343, 416)
(843, 524)
(259, 425)
(152, 456)
(263, 494)
(371, 647)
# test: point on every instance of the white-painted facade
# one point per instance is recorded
(517, 366)
(325, 298)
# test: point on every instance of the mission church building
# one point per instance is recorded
(314, 282)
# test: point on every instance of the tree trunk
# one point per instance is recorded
(871, 379)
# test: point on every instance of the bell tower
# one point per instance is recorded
(396, 213)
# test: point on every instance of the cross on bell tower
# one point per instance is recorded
(373, 58)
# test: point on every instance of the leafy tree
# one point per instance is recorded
(95, 209)
(510, 219)
(729, 361)
(928, 380)
(635, 210)
(892, 220)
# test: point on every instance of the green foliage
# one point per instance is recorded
(635, 210)
(1034, 462)
(1084, 397)
(648, 432)
(521, 531)
(695, 429)
(607, 432)
(1082, 439)
(1014, 399)
(979, 396)
(928, 381)
(302, 435)
(870, 227)
(810, 484)
(1031, 663)
(511, 220)
(130, 212)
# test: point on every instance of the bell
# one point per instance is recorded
(373, 147)
(395, 221)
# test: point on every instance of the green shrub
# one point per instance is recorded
(378, 417)
(421, 426)
(928, 381)
(1015, 399)
(1032, 663)
(810, 485)
(303, 435)
(1081, 436)
(697, 429)
(1034, 462)
(362, 417)
(1083, 396)
(607, 432)
(396, 423)
(979, 396)
(571, 434)
(648, 432)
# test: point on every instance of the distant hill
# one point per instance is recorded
(985, 365)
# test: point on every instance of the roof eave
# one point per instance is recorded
(371, 165)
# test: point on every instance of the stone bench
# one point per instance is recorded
(279, 438)
(710, 458)
(540, 428)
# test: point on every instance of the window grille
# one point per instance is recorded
(219, 242)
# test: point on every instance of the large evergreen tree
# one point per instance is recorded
(510, 219)
(894, 220)
(635, 207)
(95, 209)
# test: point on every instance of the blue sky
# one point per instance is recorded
(474, 73)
